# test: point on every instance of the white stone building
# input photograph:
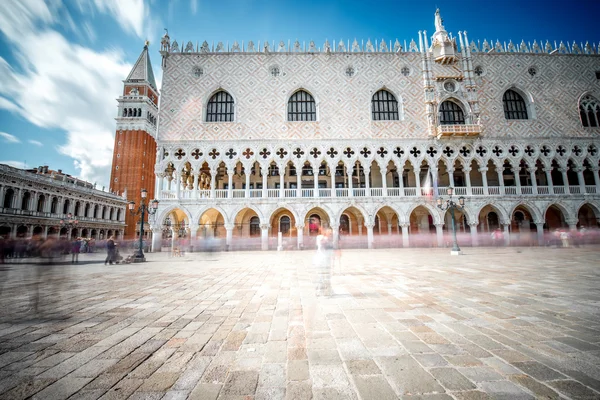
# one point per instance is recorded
(33, 203)
(257, 138)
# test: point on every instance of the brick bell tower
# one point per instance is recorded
(134, 153)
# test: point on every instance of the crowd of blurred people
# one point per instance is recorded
(60, 248)
(56, 248)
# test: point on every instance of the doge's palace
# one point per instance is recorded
(257, 139)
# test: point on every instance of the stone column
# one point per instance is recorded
(156, 239)
(506, 226)
(384, 181)
(247, 193)
(533, 179)
(548, 172)
(300, 235)
(360, 227)
(467, 172)
(484, 181)
(401, 179)
(417, 172)
(213, 182)
(174, 237)
(335, 232)
(500, 172)
(229, 236)
(596, 178)
(563, 171)
(177, 184)
(439, 232)
(298, 181)
(405, 239)
(349, 171)
(265, 175)
(367, 172)
(540, 232)
(45, 232)
(316, 180)
(572, 224)
(450, 176)
(229, 184)
(193, 236)
(581, 180)
(370, 239)
(389, 228)
(264, 236)
(281, 181)
(332, 171)
(474, 237)
(516, 172)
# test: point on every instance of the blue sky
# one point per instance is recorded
(62, 62)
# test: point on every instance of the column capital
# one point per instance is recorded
(369, 225)
(483, 169)
(334, 226)
(229, 226)
(439, 225)
(539, 223)
(299, 226)
(406, 225)
(474, 223)
(265, 226)
(595, 168)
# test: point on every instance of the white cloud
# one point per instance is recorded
(133, 15)
(8, 138)
(15, 164)
(35, 142)
(75, 87)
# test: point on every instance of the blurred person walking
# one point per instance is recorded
(110, 251)
(75, 249)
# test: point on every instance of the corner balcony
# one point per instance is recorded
(222, 194)
(458, 131)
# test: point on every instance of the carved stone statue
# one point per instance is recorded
(439, 22)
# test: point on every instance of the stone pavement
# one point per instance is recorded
(411, 324)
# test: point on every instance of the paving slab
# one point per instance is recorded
(399, 323)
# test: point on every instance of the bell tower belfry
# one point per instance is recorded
(135, 145)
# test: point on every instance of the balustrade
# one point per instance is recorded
(374, 192)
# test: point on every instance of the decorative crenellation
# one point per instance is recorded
(574, 153)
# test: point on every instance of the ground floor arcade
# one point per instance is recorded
(296, 225)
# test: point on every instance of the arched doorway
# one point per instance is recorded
(314, 224)
(387, 230)
(352, 232)
(246, 234)
(22, 232)
(5, 232)
(422, 228)
(38, 231)
(523, 230)
(52, 231)
(555, 218)
(587, 217)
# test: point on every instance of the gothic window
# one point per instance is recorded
(41, 203)
(8, 198)
(451, 114)
(25, 202)
(110, 214)
(384, 106)
(77, 206)
(66, 207)
(514, 105)
(118, 215)
(589, 111)
(220, 108)
(254, 226)
(301, 107)
(54, 205)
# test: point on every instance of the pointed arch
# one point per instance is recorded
(301, 106)
(589, 111)
(220, 107)
(514, 105)
(384, 106)
(451, 112)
